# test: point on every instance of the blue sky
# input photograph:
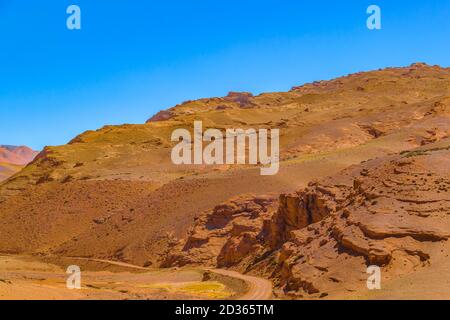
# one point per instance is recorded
(134, 58)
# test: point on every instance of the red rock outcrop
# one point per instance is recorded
(161, 116)
(244, 99)
(228, 234)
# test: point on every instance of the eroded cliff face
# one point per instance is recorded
(231, 233)
(392, 212)
(396, 215)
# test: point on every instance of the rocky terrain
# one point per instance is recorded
(366, 156)
(392, 212)
(12, 159)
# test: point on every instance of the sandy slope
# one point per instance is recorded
(8, 169)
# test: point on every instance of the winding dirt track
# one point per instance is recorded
(115, 263)
(259, 288)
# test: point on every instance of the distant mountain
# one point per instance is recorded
(16, 155)
(13, 158)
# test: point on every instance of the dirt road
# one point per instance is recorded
(115, 263)
(259, 289)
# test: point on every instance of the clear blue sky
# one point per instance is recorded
(134, 58)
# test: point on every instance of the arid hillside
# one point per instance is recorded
(114, 193)
(392, 212)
